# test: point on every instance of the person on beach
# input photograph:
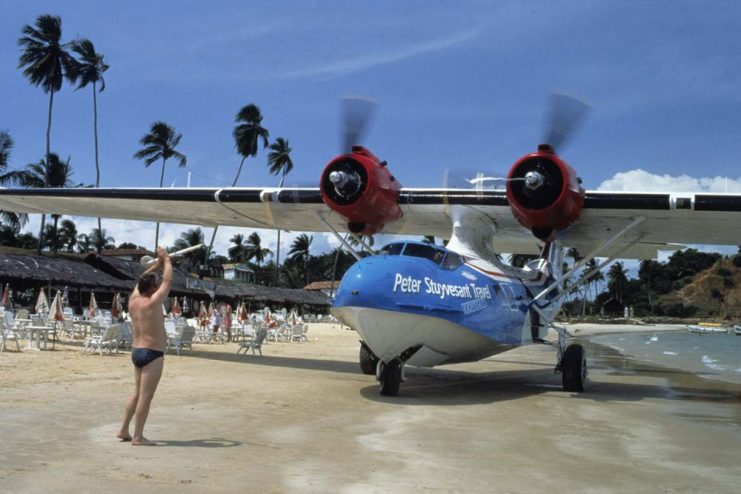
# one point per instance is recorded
(226, 316)
(149, 342)
(215, 322)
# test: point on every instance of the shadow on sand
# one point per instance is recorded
(272, 361)
(201, 443)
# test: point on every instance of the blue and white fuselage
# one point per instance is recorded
(436, 305)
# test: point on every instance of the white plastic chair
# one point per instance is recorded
(107, 340)
(183, 339)
(255, 344)
(8, 333)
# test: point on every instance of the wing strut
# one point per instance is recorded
(344, 243)
(593, 253)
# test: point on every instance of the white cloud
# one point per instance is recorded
(643, 181)
(358, 63)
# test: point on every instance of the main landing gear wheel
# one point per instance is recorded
(368, 361)
(574, 368)
(390, 377)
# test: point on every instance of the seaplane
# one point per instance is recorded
(419, 304)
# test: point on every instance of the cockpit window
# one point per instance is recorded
(392, 249)
(424, 251)
(452, 261)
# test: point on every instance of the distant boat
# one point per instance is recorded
(702, 328)
(737, 330)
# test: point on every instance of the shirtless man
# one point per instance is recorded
(149, 342)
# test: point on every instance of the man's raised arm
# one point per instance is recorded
(163, 259)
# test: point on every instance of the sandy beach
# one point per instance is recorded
(302, 418)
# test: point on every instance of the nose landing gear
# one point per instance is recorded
(390, 375)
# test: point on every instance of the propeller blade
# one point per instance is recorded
(566, 114)
(356, 115)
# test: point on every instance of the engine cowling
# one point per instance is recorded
(546, 195)
(361, 188)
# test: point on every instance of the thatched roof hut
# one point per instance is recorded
(106, 275)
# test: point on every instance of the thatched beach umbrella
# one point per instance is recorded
(202, 315)
(7, 300)
(42, 303)
(93, 306)
(116, 306)
(55, 310)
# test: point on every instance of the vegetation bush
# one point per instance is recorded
(679, 310)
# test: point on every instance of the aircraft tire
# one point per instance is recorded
(391, 378)
(574, 368)
(368, 361)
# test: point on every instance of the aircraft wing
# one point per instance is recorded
(669, 220)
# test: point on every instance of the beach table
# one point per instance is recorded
(35, 343)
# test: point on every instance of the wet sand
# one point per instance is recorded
(302, 418)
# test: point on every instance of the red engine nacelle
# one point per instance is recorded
(546, 195)
(360, 187)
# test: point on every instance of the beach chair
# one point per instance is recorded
(297, 333)
(183, 339)
(255, 344)
(125, 336)
(107, 340)
(248, 331)
(8, 333)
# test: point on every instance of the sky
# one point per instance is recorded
(461, 86)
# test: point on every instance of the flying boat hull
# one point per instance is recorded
(391, 333)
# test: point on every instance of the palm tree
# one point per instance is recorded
(100, 240)
(191, 238)
(89, 68)
(84, 243)
(45, 60)
(14, 221)
(237, 251)
(255, 250)
(68, 235)
(52, 240)
(160, 143)
(301, 252)
(47, 174)
(6, 145)
(617, 281)
(595, 277)
(247, 135)
(279, 161)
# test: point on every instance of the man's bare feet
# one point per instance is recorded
(124, 436)
(142, 441)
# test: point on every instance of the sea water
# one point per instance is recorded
(713, 356)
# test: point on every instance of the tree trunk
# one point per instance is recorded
(277, 249)
(55, 234)
(239, 170)
(41, 232)
(95, 133)
(48, 152)
(216, 228)
(157, 230)
(48, 126)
